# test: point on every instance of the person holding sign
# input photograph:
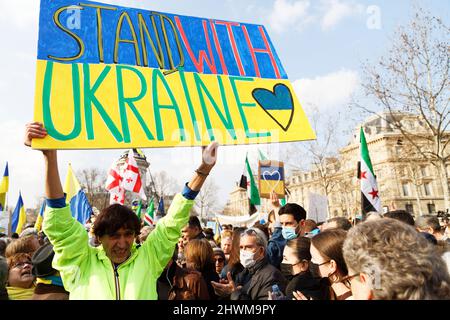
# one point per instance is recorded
(115, 269)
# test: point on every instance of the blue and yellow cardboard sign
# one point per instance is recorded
(271, 178)
(115, 77)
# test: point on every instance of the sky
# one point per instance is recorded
(321, 44)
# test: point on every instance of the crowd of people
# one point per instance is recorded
(391, 256)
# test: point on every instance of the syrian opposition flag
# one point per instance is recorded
(370, 198)
(131, 177)
(114, 185)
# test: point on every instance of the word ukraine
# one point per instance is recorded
(115, 77)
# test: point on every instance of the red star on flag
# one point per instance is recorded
(116, 198)
(374, 193)
(363, 175)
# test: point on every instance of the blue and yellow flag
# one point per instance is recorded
(4, 188)
(40, 218)
(75, 196)
(19, 217)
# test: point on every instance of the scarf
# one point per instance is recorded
(16, 293)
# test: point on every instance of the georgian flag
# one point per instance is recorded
(131, 177)
(370, 198)
(114, 185)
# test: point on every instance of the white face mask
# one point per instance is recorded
(246, 258)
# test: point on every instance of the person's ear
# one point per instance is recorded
(333, 266)
(304, 265)
(367, 287)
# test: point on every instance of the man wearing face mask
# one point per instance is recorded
(289, 224)
(258, 276)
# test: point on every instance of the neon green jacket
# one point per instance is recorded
(87, 272)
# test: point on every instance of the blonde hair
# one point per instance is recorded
(401, 264)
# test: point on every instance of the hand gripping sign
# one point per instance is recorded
(116, 77)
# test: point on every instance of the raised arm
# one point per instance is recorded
(53, 187)
(161, 242)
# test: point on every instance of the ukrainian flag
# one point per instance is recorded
(76, 198)
(40, 218)
(4, 189)
(19, 217)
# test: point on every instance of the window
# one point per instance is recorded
(409, 208)
(405, 189)
(423, 171)
(427, 188)
(431, 208)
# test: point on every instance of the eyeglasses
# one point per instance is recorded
(320, 264)
(21, 265)
(219, 260)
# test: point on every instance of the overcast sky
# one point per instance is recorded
(321, 44)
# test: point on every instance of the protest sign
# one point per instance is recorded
(271, 178)
(116, 77)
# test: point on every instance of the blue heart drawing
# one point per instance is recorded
(278, 100)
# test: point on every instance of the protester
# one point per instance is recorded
(234, 265)
(271, 218)
(310, 225)
(200, 257)
(28, 244)
(258, 277)
(289, 224)
(176, 283)
(193, 230)
(373, 215)
(4, 242)
(225, 243)
(219, 258)
(327, 259)
(337, 223)
(20, 284)
(145, 232)
(389, 260)
(49, 285)
(400, 215)
(430, 224)
(3, 278)
(87, 272)
(209, 234)
(295, 268)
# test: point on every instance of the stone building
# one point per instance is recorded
(405, 180)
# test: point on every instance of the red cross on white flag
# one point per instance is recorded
(131, 177)
(113, 185)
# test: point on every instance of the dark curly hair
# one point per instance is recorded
(114, 217)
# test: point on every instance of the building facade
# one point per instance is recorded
(405, 180)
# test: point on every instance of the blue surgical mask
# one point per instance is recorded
(288, 233)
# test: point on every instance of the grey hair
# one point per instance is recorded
(428, 221)
(401, 264)
(261, 239)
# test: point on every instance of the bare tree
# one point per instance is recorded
(162, 183)
(93, 182)
(319, 155)
(207, 200)
(413, 78)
